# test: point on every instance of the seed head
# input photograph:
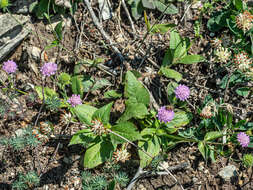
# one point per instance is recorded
(206, 112)
(10, 67)
(243, 139)
(223, 54)
(242, 61)
(48, 69)
(244, 21)
(74, 100)
(182, 92)
(165, 115)
(121, 155)
(98, 127)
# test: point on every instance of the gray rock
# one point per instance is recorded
(12, 33)
(34, 52)
(228, 172)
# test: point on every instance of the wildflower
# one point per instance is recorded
(74, 100)
(223, 54)
(98, 127)
(242, 61)
(206, 112)
(10, 67)
(121, 155)
(244, 21)
(165, 115)
(48, 69)
(182, 92)
(243, 139)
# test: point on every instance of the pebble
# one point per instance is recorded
(227, 172)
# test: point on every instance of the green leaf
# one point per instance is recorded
(97, 154)
(77, 87)
(136, 9)
(175, 39)
(127, 130)
(243, 91)
(112, 185)
(148, 4)
(202, 149)
(180, 119)
(100, 83)
(134, 110)
(161, 28)
(212, 135)
(112, 94)
(238, 4)
(103, 114)
(168, 58)
(190, 59)
(48, 92)
(84, 113)
(84, 136)
(170, 73)
(58, 31)
(134, 89)
(151, 146)
(171, 9)
(146, 21)
(64, 79)
(148, 131)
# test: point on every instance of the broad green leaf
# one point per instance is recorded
(168, 58)
(84, 113)
(77, 87)
(243, 91)
(152, 146)
(148, 4)
(170, 73)
(112, 94)
(64, 79)
(175, 40)
(127, 130)
(136, 9)
(148, 131)
(103, 114)
(84, 136)
(100, 84)
(212, 135)
(97, 154)
(134, 110)
(238, 4)
(48, 92)
(167, 9)
(161, 28)
(190, 59)
(58, 31)
(180, 119)
(202, 149)
(135, 89)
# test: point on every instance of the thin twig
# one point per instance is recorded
(101, 30)
(129, 17)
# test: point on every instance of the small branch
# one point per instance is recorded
(128, 16)
(101, 30)
(136, 176)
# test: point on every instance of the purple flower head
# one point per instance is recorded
(182, 92)
(48, 69)
(165, 115)
(243, 139)
(74, 100)
(10, 67)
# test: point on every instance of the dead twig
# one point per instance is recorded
(101, 30)
(129, 17)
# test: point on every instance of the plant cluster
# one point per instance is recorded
(26, 181)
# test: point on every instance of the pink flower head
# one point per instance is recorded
(182, 92)
(74, 100)
(10, 67)
(243, 139)
(165, 115)
(48, 69)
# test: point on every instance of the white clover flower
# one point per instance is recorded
(223, 54)
(244, 21)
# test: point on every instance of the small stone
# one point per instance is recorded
(227, 172)
(19, 132)
(34, 52)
